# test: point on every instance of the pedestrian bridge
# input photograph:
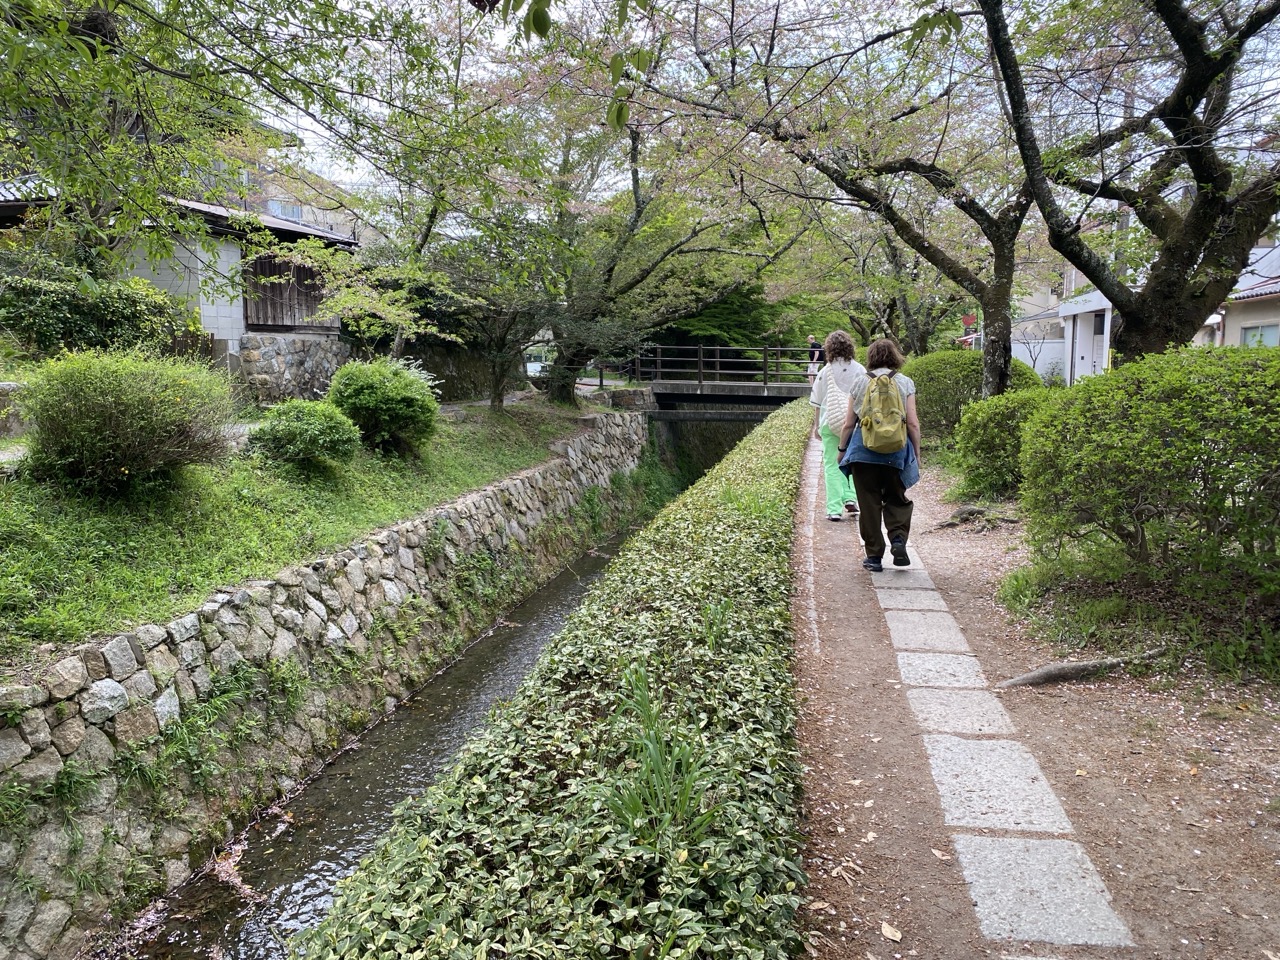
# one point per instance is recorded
(721, 383)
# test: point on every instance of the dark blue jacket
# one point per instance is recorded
(905, 459)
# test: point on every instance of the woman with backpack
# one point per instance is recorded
(880, 443)
(829, 399)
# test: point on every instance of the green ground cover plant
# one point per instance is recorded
(72, 567)
(1160, 482)
(639, 796)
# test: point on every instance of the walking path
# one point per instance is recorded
(1028, 883)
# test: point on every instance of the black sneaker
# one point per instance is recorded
(873, 564)
(899, 550)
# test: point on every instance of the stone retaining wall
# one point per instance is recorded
(278, 367)
(133, 755)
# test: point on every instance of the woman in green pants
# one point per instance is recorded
(830, 400)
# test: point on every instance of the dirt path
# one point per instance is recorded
(1144, 820)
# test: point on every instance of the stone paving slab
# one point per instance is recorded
(960, 711)
(941, 670)
(911, 600)
(925, 630)
(1045, 890)
(904, 577)
(996, 784)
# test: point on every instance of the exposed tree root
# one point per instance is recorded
(983, 517)
(1074, 670)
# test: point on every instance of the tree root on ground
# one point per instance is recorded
(983, 517)
(1074, 670)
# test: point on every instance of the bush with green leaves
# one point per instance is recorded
(1172, 461)
(47, 314)
(393, 405)
(306, 431)
(108, 422)
(989, 442)
(949, 380)
(640, 795)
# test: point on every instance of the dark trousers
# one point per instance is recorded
(881, 498)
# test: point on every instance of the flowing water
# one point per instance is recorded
(293, 862)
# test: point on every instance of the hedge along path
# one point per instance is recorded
(640, 794)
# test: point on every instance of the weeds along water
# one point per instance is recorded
(278, 878)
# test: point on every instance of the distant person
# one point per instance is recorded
(816, 357)
(830, 399)
(881, 479)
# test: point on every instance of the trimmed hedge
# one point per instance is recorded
(640, 795)
(950, 380)
(989, 442)
(46, 315)
(1175, 460)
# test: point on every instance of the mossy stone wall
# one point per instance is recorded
(135, 754)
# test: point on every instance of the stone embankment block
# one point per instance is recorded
(100, 711)
(277, 368)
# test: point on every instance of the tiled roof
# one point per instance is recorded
(23, 190)
(32, 189)
(275, 224)
(1263, 288)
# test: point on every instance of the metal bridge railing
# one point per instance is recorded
(741, 365)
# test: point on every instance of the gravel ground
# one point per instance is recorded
(1172, 783)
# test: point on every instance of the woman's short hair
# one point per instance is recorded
(838, 346)
(884, 353)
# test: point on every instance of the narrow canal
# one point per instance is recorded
(291, 863)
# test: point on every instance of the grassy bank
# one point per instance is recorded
(639, 796)
(72, 567)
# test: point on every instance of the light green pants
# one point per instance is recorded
(839, 489)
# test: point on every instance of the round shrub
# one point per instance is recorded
(109, 421)
(949, 380)
(302, 431)
(1175, 459)
(989, 442)
(393, 406)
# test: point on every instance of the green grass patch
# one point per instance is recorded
(72, 567)
(1109, 610)
(639, 796)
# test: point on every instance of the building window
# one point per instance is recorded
(285, 210)
(1267, 335)
(1099, 324)
(281, 296)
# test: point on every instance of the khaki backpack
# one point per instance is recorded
(883, 417)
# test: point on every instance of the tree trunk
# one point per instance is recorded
(997, 322)
(562, 379)
(1165, 321)
(500, 371)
